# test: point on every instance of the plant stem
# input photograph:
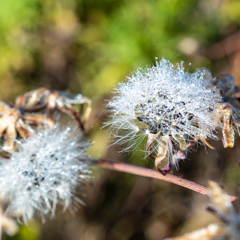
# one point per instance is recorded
(124, 167)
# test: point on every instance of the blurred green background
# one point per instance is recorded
(87, 47)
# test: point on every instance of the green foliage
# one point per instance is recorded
(107, 39)
(31, 231)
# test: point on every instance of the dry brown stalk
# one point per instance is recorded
(128, 168)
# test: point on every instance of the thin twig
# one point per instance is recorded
(124, 167)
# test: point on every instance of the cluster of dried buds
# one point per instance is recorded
(22, 116)
(41, 161)
(174, 109)
(222, 208)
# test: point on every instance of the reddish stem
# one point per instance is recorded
(124, 167)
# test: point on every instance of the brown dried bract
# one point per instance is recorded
(229, 108)
(7, 224)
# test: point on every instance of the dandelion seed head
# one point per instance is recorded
(165, 99)
(43, 173)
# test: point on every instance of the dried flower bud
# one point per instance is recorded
(44, 172)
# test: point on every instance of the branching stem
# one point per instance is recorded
(124, 167)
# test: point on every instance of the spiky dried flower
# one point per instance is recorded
(164, 100)
(227, 229)
(43, 173)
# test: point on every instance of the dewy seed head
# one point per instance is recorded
(164, 99)
(44, 172)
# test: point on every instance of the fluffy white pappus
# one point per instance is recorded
(44, 173)
(164, 99)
